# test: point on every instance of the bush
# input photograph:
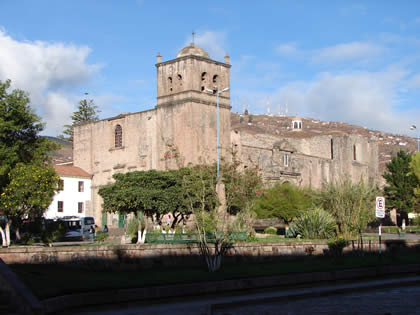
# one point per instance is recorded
(270, 230)
(314, 224)
(101, 236)
(284, 201)
(336, 246)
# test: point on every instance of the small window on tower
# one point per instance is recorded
(215, 78)
(203, 76)
(179, 80)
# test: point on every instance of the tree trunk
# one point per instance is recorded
(8, 233)
(141, 236)
(17, 234)
(3, 237)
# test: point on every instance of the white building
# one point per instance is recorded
(75, 193)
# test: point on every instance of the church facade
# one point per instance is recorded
(182, 130)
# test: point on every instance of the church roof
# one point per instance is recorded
(192, 50)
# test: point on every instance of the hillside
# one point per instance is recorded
(65, 153)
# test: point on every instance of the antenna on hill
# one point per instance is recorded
(268, 107)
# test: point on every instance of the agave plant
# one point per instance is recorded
(315, 223)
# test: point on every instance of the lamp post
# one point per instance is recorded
(217, 92)
(413, 127)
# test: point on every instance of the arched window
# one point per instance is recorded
(295, 125)
(215, 79)
(179, 80)
(354, 153)
(118, 136)
(204, 76)
(170, 84)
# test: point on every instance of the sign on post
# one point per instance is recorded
(380, 207)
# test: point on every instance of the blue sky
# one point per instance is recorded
(351, 61)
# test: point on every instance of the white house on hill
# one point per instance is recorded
(75, 193)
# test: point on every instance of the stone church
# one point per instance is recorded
(182, 128)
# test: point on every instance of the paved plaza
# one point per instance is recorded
(389, 296)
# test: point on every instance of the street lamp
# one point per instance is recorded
(217, 92)
(413, 127)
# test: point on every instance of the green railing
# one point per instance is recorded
(159, 238)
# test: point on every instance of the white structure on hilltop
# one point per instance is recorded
(74, 196)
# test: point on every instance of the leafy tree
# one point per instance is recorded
(86, 112)
(19, 129)
(149, 193)
(351, 204)
(241, 185)
(19, 143)
(415, 170)
(29, 193)
(283, 201)
(399, 190)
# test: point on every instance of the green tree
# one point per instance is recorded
(283, 201)
(241, 184)
(351, 204)
(415, 170)
(19, 129)
(146, 194)
(400, 183)
(29, 193)
(86, 112)
(19, 142)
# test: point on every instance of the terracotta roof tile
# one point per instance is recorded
(67, 170)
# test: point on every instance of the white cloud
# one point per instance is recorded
(361, 98)
(287, 49)
(49, 72)
(347, 52)
(214, 43)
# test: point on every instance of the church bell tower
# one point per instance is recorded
(187, 111)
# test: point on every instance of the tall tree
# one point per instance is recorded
(400, 183)
(19, 133)
(86, 112)
(20, 144)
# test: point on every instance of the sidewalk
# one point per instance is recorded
(275, 301)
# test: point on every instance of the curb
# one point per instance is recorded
(66, 302)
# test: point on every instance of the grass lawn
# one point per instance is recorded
(52, 280)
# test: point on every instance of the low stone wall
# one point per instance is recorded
(148, 255)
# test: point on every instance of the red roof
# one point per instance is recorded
(73, 171)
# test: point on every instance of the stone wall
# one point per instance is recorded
(312, 161)
(146, 256)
